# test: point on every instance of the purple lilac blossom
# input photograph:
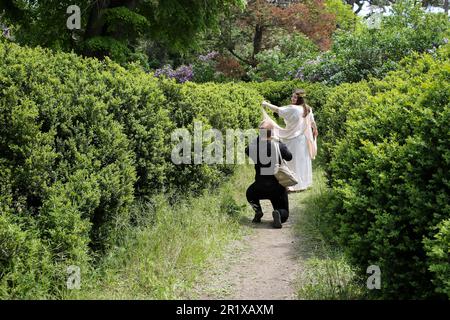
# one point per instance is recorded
(181, 74)
(184, 73)
(299, 74)
(209, 56)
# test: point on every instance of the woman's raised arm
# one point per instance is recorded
(272, 107)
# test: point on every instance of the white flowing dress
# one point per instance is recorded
(298, 137)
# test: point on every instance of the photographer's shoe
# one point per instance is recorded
(276, 219)
(258, 216)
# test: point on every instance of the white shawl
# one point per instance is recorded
(296, 125)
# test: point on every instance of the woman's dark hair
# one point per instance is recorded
(263, 127)
(300, 101)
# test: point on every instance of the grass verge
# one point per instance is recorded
(162, 256)
(326, 273)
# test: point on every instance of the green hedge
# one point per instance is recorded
(389, 173)
(69, 168)
(218, 106)
(279, 92)
(339, 105)
(79, 141)
(438, 252)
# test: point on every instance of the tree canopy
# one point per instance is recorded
(112, 27)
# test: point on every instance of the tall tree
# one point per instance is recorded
(312, 18)
(261, 17)
(113, 27)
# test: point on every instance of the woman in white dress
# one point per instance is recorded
(299, 135)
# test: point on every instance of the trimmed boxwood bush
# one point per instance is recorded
(438, 252)
(79, 140)
(279, 92)
(218, 106)
(66, 166)
(390, 173)
(340, 102)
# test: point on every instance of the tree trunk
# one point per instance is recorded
(131, 4)
(95, 24)
(446, 6)
(257, 42)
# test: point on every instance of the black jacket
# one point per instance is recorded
(265, 159)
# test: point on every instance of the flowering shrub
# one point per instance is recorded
(182, 74)
(205, 67)
(209, 67)
(215, 67)
(208, 57)
(229, 67)
(374, 52)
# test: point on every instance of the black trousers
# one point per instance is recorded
(273, 191)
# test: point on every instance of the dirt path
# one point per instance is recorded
(263, 265)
